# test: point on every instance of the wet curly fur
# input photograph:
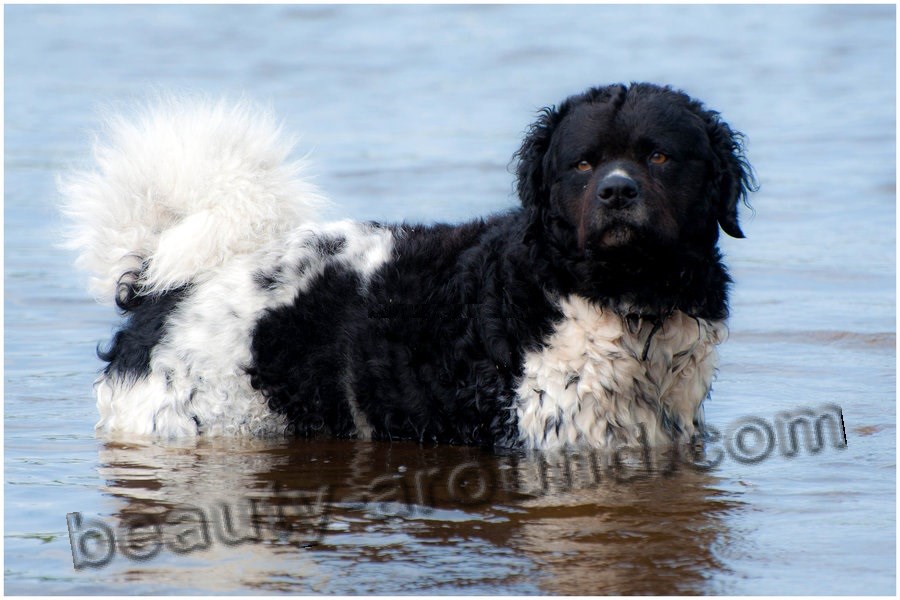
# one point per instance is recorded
(606, 285)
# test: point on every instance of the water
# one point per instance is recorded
(413, 113)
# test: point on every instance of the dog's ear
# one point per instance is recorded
(532, 157)
(732, 175)
(534, 161)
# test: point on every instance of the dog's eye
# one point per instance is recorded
(658, 158)
(584, 166)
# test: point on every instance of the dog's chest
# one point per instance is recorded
(591, 385)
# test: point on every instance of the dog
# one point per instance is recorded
(586, 317)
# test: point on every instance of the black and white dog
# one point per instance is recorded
(585, 316)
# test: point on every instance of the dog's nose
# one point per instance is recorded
(618, 191)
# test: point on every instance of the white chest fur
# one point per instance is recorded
(589, 385)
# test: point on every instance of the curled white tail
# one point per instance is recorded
(178, 189)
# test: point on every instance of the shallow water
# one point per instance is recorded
(413, 113)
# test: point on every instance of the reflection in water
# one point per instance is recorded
(368, 517)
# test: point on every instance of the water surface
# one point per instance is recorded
(414, 113)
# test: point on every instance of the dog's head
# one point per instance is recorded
(632, 167)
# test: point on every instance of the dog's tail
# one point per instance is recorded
(178, 189)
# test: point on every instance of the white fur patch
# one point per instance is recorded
(589, 387)
(197, 382)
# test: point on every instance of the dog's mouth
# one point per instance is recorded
(617, 234)
(612, 229)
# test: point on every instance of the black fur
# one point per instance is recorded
(450, 379)
(299, 355)
(129, 352)
(431, 347)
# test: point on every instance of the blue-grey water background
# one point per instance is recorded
(414, 112)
